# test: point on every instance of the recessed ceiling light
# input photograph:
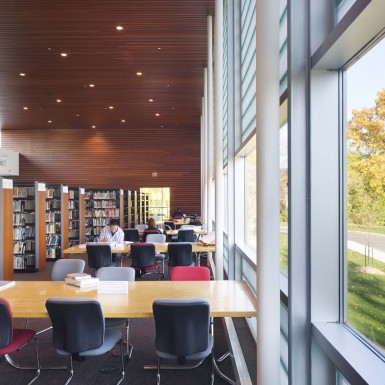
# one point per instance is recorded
(139, 73)
(92, 85)
(159, 48)
(93, 126)
(119, 28)
(156, 114)
(22, 74)
(63, 54)
(161, 126)
(111, 107)
(77, 115)
(123, 121)
(58, 100)
(25, 108)
(50, 121)
(150, 100)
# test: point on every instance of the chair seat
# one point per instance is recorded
(195, 356)
(112, 322)
(19, 338)
(111, 338)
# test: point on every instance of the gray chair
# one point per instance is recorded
(182, 331)
(118, 274)
(79, 330)
(62, 267)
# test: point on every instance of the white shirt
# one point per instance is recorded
(106, 233)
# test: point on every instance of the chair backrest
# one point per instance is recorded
(170, 224)
(156, 238)
(6, 323)
(62, 267)
(142, 254)
(78, 324)
(181, 326)
(99, 255)
(141, 227)
(179, 254)
(113, 273)
(148, 232)
(190, 273)
(131, 235)
(186, 235)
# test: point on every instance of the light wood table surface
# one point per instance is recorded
(226, 298)
(197, 247)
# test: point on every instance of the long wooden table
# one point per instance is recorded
(159, 247)
(226, 298)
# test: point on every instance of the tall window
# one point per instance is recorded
(159, 202)
(365, 189)
(284, 199)
(251, 199)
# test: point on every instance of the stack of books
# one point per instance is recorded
(81, 279)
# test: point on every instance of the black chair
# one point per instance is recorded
(79, 330)
(131, 235)
(12, 340)
(118, 274)
(143, 259)
(99, 255)
(182, 331)
(185, 235)
(170, 224)
(179, 254)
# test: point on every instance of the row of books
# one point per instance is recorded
(100, 195)
(51, 252)
(23, 262)
(73, 233)
(72, 205)
(23, 192)
(23, 219)
(53, 204)
(112, 213)
(52, 193)
(19, 206)
(52, 240)
(104, 204)
(52, 228)
(21, 233)
(73, 194)
(73, 225)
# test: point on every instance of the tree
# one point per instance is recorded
(366, 164)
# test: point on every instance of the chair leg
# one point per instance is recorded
(129, 347)
(212, 367)
(71, 372)
(158, 374)
(121, 362)
(37, 363)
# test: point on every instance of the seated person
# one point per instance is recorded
(178, 213)
(151, 225)
(112, 233)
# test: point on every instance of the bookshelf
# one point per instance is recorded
(143, 207)
(129, 209)
(6, 229)
(28, 238)
(101, 206)
(73, 216)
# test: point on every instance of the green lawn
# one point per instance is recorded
(366, 295)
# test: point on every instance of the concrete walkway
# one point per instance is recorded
(360, 248)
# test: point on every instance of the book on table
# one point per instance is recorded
(79, 276)
(6, 284)
(80, 279)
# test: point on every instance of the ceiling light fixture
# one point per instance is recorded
(22, 74)
(25, 108)
(50, 121)
(63, 54)
(139, 73)
(119, 28)
(150, 100)
(111, 107)
(93, 126)
(92, 85)
(58, 100)
(123, 121)
(156, 114)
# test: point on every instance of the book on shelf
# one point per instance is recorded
(6, 284)
(82, 282)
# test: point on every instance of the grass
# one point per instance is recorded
(366, 295)
(371, 229)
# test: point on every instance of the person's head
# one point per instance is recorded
(114, 225)
(151, 222)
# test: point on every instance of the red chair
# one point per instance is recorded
(12, 340)
(190, 273)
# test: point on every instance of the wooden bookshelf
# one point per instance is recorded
(6, 229)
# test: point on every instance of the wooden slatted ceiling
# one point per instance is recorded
(165, 40)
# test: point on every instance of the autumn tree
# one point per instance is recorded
(366, 164)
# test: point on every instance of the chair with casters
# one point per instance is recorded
(12, 340)
(79, 330)
(112, 273)
(99, 255)
(62, 267)
(182, 331)
(143, 259)
(179, 254)
(131, 235)
(158, 238)
(190, 273)
(185, 235)
(148, 232)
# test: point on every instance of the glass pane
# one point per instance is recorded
(342, 7)
(251, 199)
(284, 199)
(159, 202)
(366, 195)
(340, 379)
